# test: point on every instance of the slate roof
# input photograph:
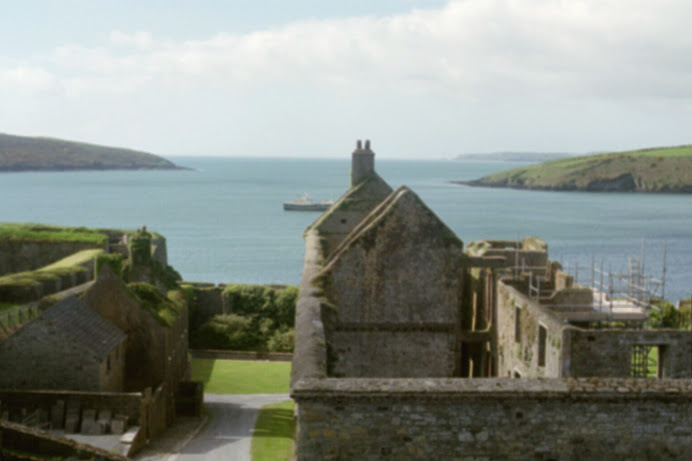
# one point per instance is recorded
(81, 324)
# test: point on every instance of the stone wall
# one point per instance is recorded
(388, 353)
(27, 256)
(37, 444)
(112, 370)
(499, 419)
(147, 354)
(310, 351)
(207, 301)
(336, 223)
(519, 337)
(129, 404)
(609, 352)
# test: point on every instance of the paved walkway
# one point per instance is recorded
(224, 436)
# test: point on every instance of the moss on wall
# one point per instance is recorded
(113, 260)
(161, 308)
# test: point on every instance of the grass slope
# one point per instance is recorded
(667, 169)
(240, 377)
(21, 153)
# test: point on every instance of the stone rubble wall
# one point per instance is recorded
(494, 418)
(517, 354)
(609, 352)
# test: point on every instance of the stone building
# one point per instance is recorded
(395, 321)
(155, 350)
(68, 346)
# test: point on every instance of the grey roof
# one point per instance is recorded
(83, 325)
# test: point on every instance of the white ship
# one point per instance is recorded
(306, 203)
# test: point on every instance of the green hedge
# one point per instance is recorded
(260, 318)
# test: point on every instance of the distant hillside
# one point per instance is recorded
(20, 153)
(667, 169)
(513, 156)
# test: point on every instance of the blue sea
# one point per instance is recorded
(224, 221)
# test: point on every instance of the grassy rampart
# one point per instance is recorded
(23, 287)
(30, 232)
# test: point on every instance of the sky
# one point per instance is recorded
(306, 78)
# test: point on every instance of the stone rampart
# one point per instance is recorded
(26, 256)
(494, 418)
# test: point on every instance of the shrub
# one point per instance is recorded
(226, 331)
(282, 341)
(260, 318)
(671, 317)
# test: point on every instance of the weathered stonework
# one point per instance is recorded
(498, 419)
(394, 296)
(609, 352)
(27, 256)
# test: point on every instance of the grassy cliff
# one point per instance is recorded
(20, 153)
(667, 169)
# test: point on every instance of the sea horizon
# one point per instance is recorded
(224, 222)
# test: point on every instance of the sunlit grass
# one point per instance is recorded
(274, 433)
(242, 377)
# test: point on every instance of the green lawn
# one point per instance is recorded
(242, 377)
(274, 432)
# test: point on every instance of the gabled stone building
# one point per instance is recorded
(68, 346)
(396, 323)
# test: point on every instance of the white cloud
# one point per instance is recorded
(27, 79)
(482, 56)
(471, 48)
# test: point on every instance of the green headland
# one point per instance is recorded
(665, 169)
(21, 153)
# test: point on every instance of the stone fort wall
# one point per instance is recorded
(494, 418)
(27, 256)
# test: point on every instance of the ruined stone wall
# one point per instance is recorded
(159, 251)
(26, 256)
(499, 419)
(609, 352)
(519, 340)
(418, 353)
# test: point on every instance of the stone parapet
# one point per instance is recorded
(494, 418)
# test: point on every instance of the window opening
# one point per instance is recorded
(517, 325)
(542, 340)
(644, 362)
